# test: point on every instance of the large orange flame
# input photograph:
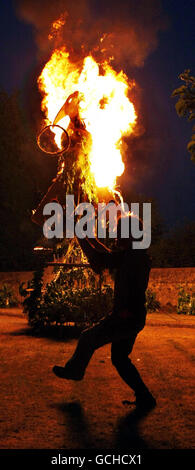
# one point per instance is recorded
(105, 109)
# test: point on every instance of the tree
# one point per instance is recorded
(174, 249)
(185, 105)
(23, 175)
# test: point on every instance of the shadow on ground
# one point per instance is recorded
(51, 333)
(126, 434)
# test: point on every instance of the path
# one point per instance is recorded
(39, 411)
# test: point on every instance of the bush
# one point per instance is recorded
(186, 302)
(7, 297)
(63, 302)
(66, 302)
(152, 304)
(84, 306)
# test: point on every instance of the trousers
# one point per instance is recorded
(122, 336)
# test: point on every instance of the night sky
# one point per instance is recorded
(167, 171)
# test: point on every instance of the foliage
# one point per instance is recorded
(185, 105)
(186, 302)
(174, 249)
(32, 301)
(152, 304)
(62, 301)
(24, 177)
(81, 306)
(7, 297)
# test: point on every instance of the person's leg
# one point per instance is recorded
(120, 351)
(104, 332)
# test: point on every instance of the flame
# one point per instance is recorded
(56, 27)
(105, 109)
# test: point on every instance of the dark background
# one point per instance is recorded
(158, 165)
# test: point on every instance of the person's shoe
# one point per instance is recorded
(64, 373)
(145, 401)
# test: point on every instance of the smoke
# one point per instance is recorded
(126, 31)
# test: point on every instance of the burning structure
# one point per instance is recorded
(83, 86)
(86, 103)
(85, 92)
(88, 112)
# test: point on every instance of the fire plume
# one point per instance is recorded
(103, 107)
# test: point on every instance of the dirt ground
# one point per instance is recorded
(39, 411)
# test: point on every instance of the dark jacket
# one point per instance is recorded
(131, 268)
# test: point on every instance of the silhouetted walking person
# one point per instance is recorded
(122, 325)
